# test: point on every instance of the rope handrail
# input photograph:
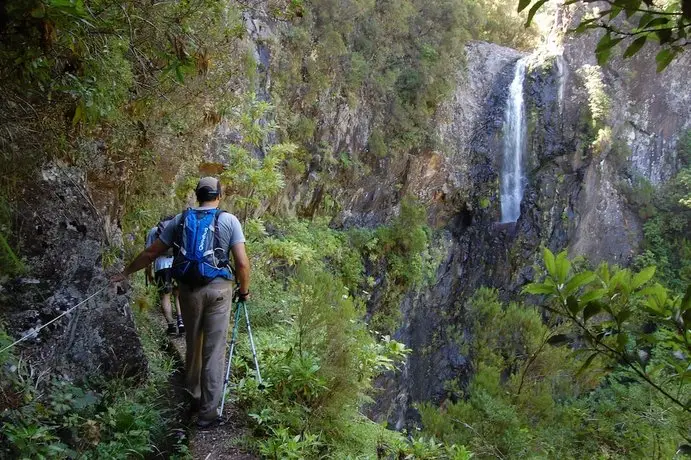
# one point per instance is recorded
(33, 333)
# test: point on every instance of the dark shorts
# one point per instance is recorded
(164, 280)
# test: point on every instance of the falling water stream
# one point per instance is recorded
(512, 177)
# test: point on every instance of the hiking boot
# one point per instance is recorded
(172, 330)
(208, 424)
(181, 326)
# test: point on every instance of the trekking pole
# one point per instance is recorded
(230, 356)
(249, 332)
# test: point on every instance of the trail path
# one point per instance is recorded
(220, 442)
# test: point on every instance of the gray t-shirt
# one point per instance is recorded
(229, 230)
(166, 260)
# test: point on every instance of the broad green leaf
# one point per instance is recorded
(655, 23)
(562, 266)
(592, 309)
(664, 36)
(663, 58)
(581, 279)
(620, 277)
(646, 18)
(604, 42)
(595, 294)
(642, 277)
(523, 4)
(533, 10)
(587, 363)
(603, 56)
(549, 262)
(614, 12)
(538, 288)
(573, 305)
(631, 7)
(604, 48)
(656, 297)
(585, 25)
(622, 340)
(635, 46)
(623, 315)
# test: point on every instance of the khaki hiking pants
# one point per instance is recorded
(206, 313)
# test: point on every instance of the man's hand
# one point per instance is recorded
(118, 278)
(241, 296)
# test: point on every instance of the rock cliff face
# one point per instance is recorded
(64, 235)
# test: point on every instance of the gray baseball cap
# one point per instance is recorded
(209, 185)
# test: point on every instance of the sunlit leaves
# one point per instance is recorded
(642, 277)
(604, 47)
(664, 58)
(667, 26)
(579, 280)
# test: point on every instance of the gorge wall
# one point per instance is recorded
(579, 164)
(591, 132)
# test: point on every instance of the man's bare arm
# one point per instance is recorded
(242, 267)
(144, 258)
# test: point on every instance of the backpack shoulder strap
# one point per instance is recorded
(217, 240)
(179, 230)
(159, 228)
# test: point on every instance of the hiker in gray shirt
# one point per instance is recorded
(162, 278)
(203, 238)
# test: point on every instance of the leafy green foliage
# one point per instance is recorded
(666, 214)
(118, 419)
(529, 396)
(92, 51)
(250, 181)
(401, 253)
(667, 24)
(614, 310)
(318, 364)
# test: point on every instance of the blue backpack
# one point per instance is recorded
(199, 257)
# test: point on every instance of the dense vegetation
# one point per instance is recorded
(115, 87)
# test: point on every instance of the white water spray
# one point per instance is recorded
(512, 178)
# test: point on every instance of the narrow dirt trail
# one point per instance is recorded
(220, 442)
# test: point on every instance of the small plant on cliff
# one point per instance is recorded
(250, 180)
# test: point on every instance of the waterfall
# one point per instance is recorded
(562, 68)
(512, 179)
